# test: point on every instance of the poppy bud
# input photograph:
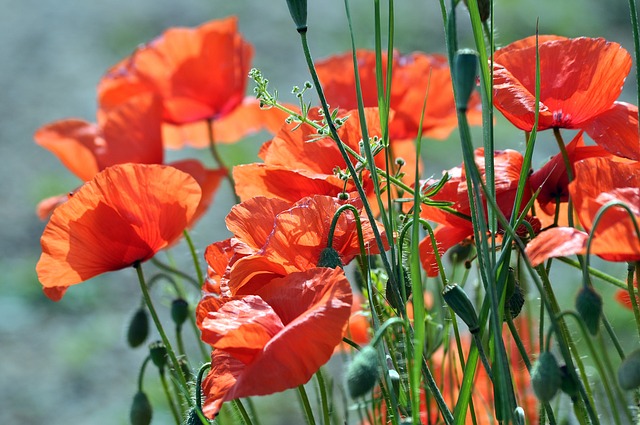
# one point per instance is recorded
(569, 385)
(298, 11)
(194, 419)
(465, 64)
(546, 377)
(141, 412)
(629, 371)
(459, 253)
(179, 311)
(515, 302)
(138, 328)
(329, 257)
(461, 305)
(362, 373)
(186, 370)
(589, 306)
(158, 353)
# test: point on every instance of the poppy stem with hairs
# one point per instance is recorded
(218, 159)
(172, 355)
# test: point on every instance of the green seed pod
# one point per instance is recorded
(158, 353)
(298, 10)
(179, 311)
(138, 328)
(329, 257)
(141, 411)
(589, 307)
(569, 385)
(629, 371)
(460, 303)
(546, 377)
(465, 65)
(362, 373)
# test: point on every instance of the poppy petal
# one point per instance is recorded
(110, 223)
(616, 130)
(556, 242)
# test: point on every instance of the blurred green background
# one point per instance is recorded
(67, 362)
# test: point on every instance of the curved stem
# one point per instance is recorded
(218, 159)
(194, 256)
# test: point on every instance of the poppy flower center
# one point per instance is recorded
(561, 120)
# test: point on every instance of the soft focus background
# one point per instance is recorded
(67, 362)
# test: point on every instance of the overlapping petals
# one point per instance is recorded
(415, 76)
(123, 216)
(275, 339)
(598, 182)
(580, 81)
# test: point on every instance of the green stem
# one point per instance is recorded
(167, 393)
(306, 406)
(159, 264)
(323, 397)
(194, 257)
(218, 159)
(141, 373)
(595, 273)
(237, 404)
(156, 320)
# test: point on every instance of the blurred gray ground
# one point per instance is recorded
(67, 363)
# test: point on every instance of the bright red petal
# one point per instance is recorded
(616, 130)
(556, 242)
(110, 223)
(446, 237)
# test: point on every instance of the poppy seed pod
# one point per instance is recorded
(629, 371)
(141, 412)
(461, 305)
(546, 377)
(465, 64)
(329, 257)
(298, 10)
(362, 373)
(569, 385)
(589, 307)
(138, 330)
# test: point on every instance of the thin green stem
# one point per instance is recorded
(237, 404)
(595, 273)
(194, 257)
(167, 393)
(323, 397)
(141, 373)
(159, 264)
(213, 148)
(306, 406)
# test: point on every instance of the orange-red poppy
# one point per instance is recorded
(454, 229)
(200, 74)
(552, 178)
(581, 79)
(415, 76)
(275, 339)
(294, 167)
(598, 182)
(123, 216)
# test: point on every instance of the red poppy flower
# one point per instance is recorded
(454, 229)
(414, 76)
(552, 179)
(581, 79)
(124, 215)
(275, 339)
(622, 296)
(294, 167)
(598, 181)
(201, 74)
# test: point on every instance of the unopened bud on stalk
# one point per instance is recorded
(629, 371)
(465, 65)
(329, 257)
(569, 385)
(158, 353)
(298, 10)
(193, 418)
(589, 306)
(515, 302)
(362, 373)
(546, 377)
(141, 412)
(179, 311)
(461, 305)
(138, 328)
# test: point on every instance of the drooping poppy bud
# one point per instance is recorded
(138, 330)
(569, 385)
(546, 377)
(362, 373)
(465, 65)
(179, 311)
(461, 305)
(629, 371)
(515, 302)
(298, 10)
(329, 257)
(158, 353)
(141, 411)
(589, 307)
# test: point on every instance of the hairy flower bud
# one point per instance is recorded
(461, 305)
(179, 311)
(329, 257)
(141, 412)
(546, 377)
(629, 371)
(589, 307)
(465, 65)
(138, 330)
(362, 373)
(158, 353)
